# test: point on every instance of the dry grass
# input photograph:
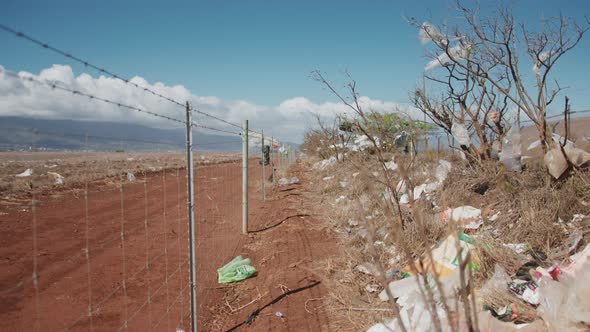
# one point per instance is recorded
(78, 168)
(530, 205)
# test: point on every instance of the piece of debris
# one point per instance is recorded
(442, 170)
(57, 179)
(328, 178)
(352, 223)
(340, 199)
(279, 314)
(518, 248)
(372, 288)
(368, 268)
(25, 173)
(130, 177)
(236, 270)
(468, 216)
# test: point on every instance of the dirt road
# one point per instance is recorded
(139, 281)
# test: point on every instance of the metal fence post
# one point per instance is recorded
(191, 216)
(272, 161)
(245, 177)
(263, 167)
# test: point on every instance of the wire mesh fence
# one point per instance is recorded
(98, 231)
(96, 228)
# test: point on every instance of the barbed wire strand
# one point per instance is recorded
(54, 85)
(84, 62)
(108, 72)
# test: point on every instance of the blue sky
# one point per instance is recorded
(257, 51)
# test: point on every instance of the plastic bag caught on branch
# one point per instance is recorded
(511, 150)
(461, 134)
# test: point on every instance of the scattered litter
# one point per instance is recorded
(404, 199)
(57, 179)
(340, 199)
(324, 163)
(578, 218)
(352, 223)
(236, 270)
(518, 248)
(279, 314)
(468, 216)
(343, 184)
(461, 134)
(178, 329)
(372, 288)
(50, 166)
(511, 150)
(402, 186)
(563, 305)
(130, 177)
(494, 217)
(130, 159)
(446, 256)
(497, 282)
(509, 312)
(328, 178)
(26, 173)
(354, 175)
(391, 165)
(442, 170)
(526, 290)
(555, 162)
(572, 243)
(363, 233)
(368, 268)
(284, 181)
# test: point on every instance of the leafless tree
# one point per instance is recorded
(492, 50)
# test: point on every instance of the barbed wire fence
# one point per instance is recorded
(105, 221)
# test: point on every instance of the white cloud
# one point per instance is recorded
(289, 120)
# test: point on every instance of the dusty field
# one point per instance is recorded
(141, 280)
(77, 168)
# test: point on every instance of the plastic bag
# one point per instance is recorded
(442, 170)
(555, 162)
(461, 134)
(130, 177)
(511, 150)
(236, 270)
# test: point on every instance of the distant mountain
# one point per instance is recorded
(18, 133)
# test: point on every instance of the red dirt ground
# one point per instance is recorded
(121, 287)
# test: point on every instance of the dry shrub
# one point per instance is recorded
(530, 203)
(489, 252)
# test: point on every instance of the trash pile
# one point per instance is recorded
(546, 293)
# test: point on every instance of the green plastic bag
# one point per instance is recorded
(236, 270)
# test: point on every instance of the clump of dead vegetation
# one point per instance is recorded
(391, 205)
